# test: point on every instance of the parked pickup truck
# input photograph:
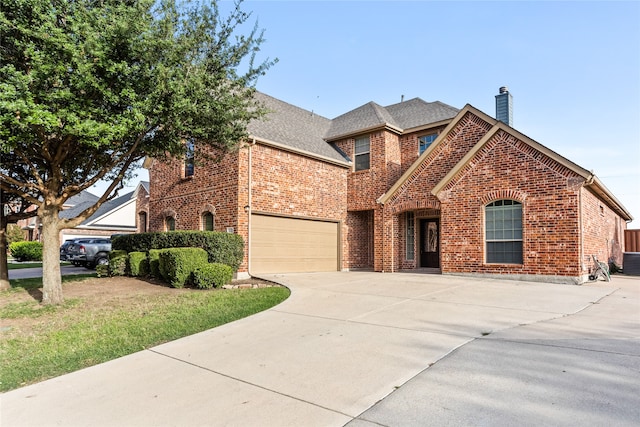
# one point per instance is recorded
(89, 252)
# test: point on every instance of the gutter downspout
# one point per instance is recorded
(583, 266)
(253, 142)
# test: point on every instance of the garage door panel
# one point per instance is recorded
(280, 244)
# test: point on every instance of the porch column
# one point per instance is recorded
(386, 237)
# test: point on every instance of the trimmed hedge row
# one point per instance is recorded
(212, 275)
(223, 248)
(177, 266)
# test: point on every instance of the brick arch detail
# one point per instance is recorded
(169, 212)
(492, 196)
(208, 208)
(412, 205)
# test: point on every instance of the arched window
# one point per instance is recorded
(169, 223)
(142, 222)
(503, 232)
(207, 221)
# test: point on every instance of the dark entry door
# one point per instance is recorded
(430, 243)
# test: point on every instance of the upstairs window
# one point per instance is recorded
(425, 141)
(189, 158)
(362, 153)
(503, 228)
(207, 221)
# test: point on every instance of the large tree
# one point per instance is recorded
(88, 88)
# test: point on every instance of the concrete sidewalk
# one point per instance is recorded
(376, 349)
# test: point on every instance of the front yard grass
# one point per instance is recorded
(39, 342)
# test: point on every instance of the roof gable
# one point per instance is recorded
(496, 126)
(104, 210)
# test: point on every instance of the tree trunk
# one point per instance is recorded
(51, 279)
(4, 267)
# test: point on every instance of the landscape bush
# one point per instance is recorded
(213, 275)
(26, 251)
(138, 264)
(223, 248)
(177, 264)
(117, 263)
(102, 270)
(154, 263)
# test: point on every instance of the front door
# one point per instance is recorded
(430, 243)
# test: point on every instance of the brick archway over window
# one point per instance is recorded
(169, 216)
(208, 208)
(516, 195)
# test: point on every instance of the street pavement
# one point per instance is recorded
(28, 273)
(369, 349)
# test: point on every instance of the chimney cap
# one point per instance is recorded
(504, 89)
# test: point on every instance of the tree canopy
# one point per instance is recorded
(88, 88)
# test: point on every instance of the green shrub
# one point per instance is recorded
(26, 251)
(224, 248)
(136, 261)
(117, 263)
(14, 233)
(213, 275)
(154, 263)
(177, 264)
(102, 270)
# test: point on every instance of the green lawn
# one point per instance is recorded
(71, 337)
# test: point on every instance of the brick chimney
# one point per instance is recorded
(504, 106)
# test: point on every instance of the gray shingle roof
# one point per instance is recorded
(83, 197)
(293, 126)
(304, 130)
(404, 115)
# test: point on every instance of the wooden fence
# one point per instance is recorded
(632, 240)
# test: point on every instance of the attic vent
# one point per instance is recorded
(504, 106)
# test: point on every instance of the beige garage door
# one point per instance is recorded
(287, 245)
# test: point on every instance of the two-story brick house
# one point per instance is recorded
(414, 185)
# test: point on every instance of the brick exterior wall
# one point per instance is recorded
(358, 247)
(503, 169)
(563, 222)
(603, 232)
(142, 208)
(282, 183)
(213, 187)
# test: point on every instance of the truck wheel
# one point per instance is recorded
(101, 260)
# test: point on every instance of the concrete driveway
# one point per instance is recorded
(369, 349)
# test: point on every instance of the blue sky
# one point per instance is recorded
(573, 68)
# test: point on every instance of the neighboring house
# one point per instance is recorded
(32, 225)
(116, 216)
(414, 185)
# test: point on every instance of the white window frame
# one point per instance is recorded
(500, 212)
